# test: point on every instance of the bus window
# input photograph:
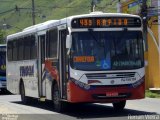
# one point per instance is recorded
(2, 61)
(42, 40)
(33, 47)
(52, 43)
(27, 51)
(15, 50)
(9, 51)
(21, 49)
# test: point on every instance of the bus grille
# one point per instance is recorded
(110, 75)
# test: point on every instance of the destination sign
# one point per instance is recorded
(106, 22)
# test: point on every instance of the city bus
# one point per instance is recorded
(89, 58)
(2, 68)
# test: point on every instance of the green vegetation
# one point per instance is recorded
(152, 94)
(17, 13)
(2, 35)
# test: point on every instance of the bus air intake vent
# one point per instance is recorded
(110, 75)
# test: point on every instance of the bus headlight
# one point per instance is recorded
(81, 84)
(139, 82)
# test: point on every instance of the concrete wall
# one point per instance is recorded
(153, 76)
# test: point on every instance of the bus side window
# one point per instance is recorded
(47, 44)
(21, 49)
(33, 48)
(9, 51)
(15, 50)
(27, 51)
(52, 37)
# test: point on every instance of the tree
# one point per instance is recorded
(2, 36)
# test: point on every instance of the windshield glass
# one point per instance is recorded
(107, 50)
(2, 63)
(2, 60)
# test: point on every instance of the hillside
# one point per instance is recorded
(18, 13)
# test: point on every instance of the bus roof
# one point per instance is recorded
(51, 23)
(40, 25)
(2, 45)
(33, 29)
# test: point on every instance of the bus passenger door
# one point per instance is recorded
(41, 60)
(63, 64)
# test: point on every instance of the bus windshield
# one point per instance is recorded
(107, 50)
(2, 62)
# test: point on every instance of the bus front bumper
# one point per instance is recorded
(99, 94)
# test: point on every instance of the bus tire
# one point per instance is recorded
(25, 99)
(58, 104)
(118, 106)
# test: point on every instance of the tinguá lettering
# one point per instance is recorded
(27, 71)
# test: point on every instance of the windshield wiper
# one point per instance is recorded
(95, 39)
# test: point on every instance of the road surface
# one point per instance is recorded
(11, 108)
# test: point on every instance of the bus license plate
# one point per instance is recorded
(111, 94)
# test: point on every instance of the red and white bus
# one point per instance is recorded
(93, 58)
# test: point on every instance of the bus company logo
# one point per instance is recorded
(27, 71)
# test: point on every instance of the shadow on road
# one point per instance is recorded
(5, 92)
(87, 111)
(101, 111)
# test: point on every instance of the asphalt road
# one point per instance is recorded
(11, 108)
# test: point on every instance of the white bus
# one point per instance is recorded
(95, 57)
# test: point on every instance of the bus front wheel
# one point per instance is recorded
(119, 105)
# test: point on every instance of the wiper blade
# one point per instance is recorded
(94, 38)
(98, 43)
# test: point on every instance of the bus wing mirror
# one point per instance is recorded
(68, 41)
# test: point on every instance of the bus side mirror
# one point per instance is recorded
(68, 41)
